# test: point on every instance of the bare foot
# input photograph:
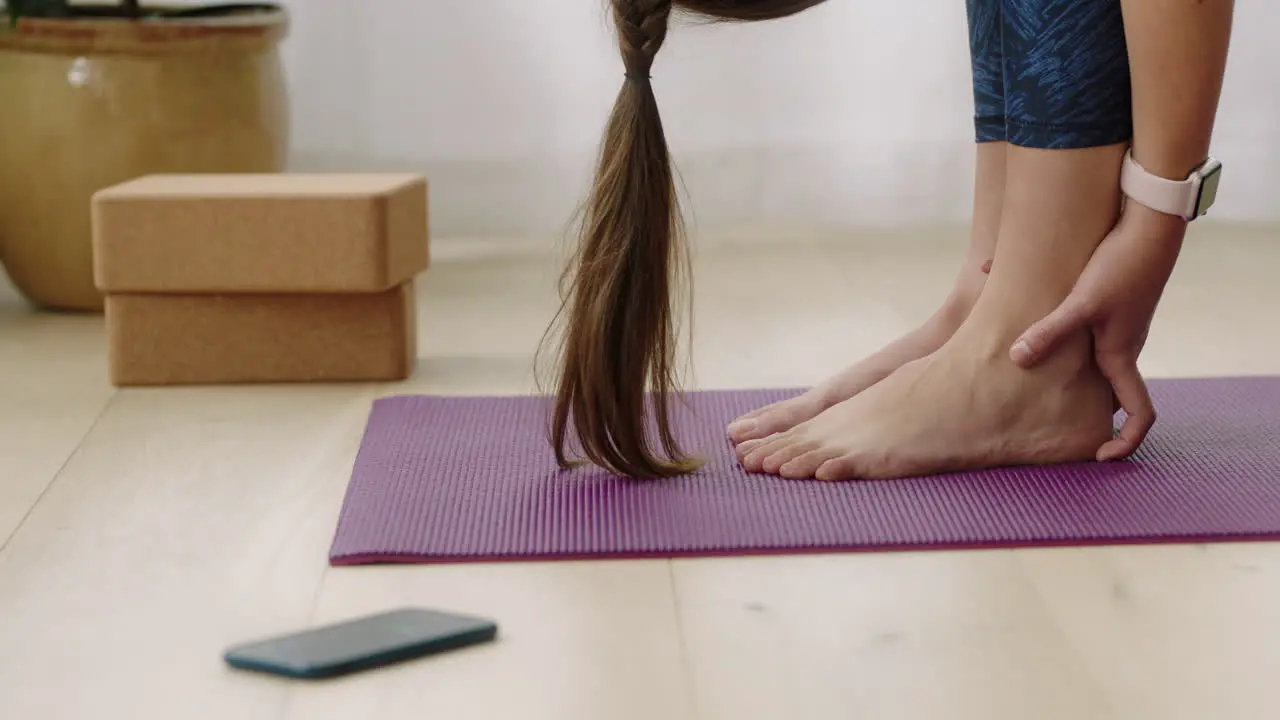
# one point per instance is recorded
(843, 385)
(918, 343)
(988, 202)
(965, 407)
(968, 406)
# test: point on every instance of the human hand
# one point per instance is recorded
(1115, 298)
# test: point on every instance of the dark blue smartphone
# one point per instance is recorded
(362, 644)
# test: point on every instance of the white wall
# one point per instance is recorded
(857, 112)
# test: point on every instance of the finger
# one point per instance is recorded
(1041, 338)
(1132, 392)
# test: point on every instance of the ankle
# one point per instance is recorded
(955, 310)
(990, 336)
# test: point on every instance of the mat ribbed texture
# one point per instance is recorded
(447, 479)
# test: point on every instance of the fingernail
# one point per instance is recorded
(1021, 351)
(742, 426)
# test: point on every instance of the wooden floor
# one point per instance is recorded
(144, 531)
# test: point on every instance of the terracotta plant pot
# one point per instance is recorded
(93, 100)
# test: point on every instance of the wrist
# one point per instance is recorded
(1171, 161)
(1153, 223)
(1184, 199)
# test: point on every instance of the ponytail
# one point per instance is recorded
(616, 370)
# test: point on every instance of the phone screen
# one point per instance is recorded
(362, 643)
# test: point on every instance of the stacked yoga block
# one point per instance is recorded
(215, 279)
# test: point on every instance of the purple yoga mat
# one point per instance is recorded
(450, 479)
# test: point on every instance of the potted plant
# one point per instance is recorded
(93, 94)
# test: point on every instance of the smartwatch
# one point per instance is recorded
(1188, 199)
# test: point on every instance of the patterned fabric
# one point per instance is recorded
(1050, 73)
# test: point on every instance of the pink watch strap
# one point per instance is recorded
(1172, 197)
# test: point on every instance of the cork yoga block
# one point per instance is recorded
(215, 279)
(198, 339)
(272, 233)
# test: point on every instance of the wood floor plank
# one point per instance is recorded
(150, 529)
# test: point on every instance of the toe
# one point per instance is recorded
(777, 420)
(753, 461)
(804, 466)
(765, 421)
(743, 428)
(744, 449)
(841, 467)
(773, 463)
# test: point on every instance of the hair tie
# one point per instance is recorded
(638, 76)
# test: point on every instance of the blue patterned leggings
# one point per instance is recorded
(1050, 73)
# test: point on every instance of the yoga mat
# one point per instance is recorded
(451, 479)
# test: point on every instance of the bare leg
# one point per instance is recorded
(967, 406)
(929, 336)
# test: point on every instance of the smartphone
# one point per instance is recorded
(362, 643)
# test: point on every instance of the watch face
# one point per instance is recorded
(1211, 175)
